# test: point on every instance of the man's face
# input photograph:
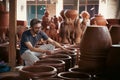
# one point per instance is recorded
(36, 28)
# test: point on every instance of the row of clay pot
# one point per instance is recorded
(49, 66)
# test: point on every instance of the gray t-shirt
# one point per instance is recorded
(27, 37)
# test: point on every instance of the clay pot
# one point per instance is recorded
(114, 32)
(74, 76)
(10, 76)
(4, 19)
(113, 61)
(46, 13)
(73, 69)
(98, 20)
(94, 48)
(63, 57)
(72, 14)
(73, 56)
(85, 14)
(58, 64)
(50, 79)
(62, 13)
(37, 72)
(4, 24)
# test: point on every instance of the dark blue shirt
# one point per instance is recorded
(28, 37)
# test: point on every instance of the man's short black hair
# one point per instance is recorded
(34, 22)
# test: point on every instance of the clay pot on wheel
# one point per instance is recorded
(37, 72)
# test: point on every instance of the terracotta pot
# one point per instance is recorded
(46, 13)
(76, 69)
(114, 32)
(10, 76)
(50, 79)
(74, 76)
(63, 57)
(4, 19)
(71, 14)
(62, 13)
(94, 48)
(37, 72)
(85, 14)
(59, 64)
(113, 61)
(73, 56)
(4, 24)
(98, 20)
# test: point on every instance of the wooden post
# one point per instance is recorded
(12, 33)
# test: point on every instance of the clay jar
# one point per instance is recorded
(72, 14)
(59, 64)
(113, 61)
(62, 13)
(94, 48)
(63, 57)
(98, 20)
(115, 34)
(74, 76)
(4, 23)
(46, 13)
(85, 14)
(37, 72)
(73, 57)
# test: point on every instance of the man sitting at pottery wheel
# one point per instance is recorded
(29, 53)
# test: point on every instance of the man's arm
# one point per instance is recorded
(58, 45)
(29, 45)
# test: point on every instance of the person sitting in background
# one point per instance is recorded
(29, 53)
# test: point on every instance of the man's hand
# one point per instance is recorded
(48, 52)
(67, 50)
